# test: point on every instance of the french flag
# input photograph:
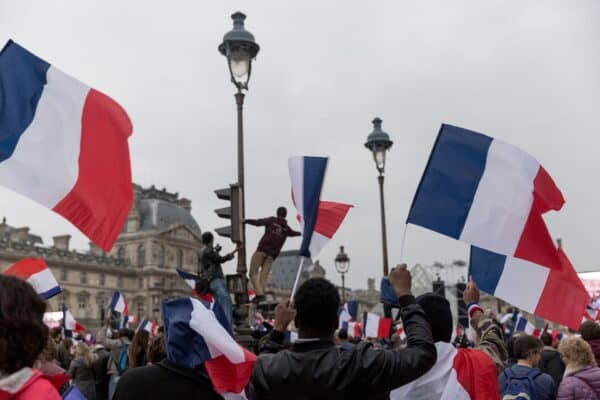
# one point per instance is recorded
(36, 272)
(119, 304)
(591, 313)
(375, 326)
(354, 328)
(492, 195)
(190, 280)
(523, 325)
(458, 374)
(348, 312)
(64, 145)
(70, 323)
(196, 333)
(307, 175)
(399, 330)
(147, 325)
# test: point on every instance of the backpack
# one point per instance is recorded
(122, 359)
(520, 387)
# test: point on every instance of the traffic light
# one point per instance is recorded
(233, 212)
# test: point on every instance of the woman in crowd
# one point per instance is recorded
(82, 371)
(156, 350)
(23, 336)
(582, 376)
(138, 348)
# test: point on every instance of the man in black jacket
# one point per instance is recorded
(314, 368)
(550, 361)
(209, 267)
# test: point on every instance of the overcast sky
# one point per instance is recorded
(523, 72)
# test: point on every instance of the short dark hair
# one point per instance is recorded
(438, 314)
(546, 338)
(526, 345)
(126, 332)
(207, 238)
(317, 302)
(282, 212)
(343, 334)
(23, 334)
(589, 330)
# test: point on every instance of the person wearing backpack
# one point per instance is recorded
(524, 381)
(582, 376)
(118, 360)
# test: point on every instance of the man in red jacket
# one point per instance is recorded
(269, 247)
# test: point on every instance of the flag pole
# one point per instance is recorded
(297, 279)
(403, 243)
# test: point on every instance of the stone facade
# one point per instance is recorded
(159, 236)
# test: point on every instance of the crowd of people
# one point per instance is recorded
(322, 363)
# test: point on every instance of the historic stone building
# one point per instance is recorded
(159, 236)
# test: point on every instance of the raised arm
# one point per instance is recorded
(257, 222)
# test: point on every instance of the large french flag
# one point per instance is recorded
(119, 304)
(64, 145)
(492, 195)
(36, 272)
(195, 334)
(458, 374)
(375, 326)
(307, 175)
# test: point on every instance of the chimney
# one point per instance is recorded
(61, 242)
(19, 234)
(559, 243)
(371, 284)
(186, 204)
(95, 250)
(3, 228)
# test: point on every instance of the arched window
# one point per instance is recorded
(82, 303)
(141, 255)
(121, 253)
(161, 256)
(179, 258)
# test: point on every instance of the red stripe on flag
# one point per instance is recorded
(383, 330)
(101, 198)
(330, 217)
(228, 377)
(476, 373)
(546, 194)
(26, 267)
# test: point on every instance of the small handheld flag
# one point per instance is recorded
(119, 304)
(69, 322)
(375, 326)
(36, 272)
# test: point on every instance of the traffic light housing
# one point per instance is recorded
(233, 212)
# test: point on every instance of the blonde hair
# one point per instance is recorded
(49, 352)
(83, 351)
(577, 352)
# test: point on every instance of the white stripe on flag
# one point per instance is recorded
(45, 163)
(217, 339)
(42, 281)
(516, 270)
(317, 242)
(371, 325)
(503, 199)
(296, 169)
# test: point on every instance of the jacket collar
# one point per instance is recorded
(17, 381)
(312, 345)
(573, 369)
(193, 374)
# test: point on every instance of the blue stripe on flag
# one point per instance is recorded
(51, 293)
(448, 185)
(486, 268)
(22, 80)
(314, 174)
(352, 307)
(521, 324)
(114, 300)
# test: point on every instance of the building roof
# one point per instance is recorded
(160, 209)
(33, 239)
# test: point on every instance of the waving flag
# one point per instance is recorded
(348, 312)
(492, 195)
(307, 175)
(36, 272)
(523, 325)
(329, 219)
(458, 374)
(119, 304)
(375, 326)
(64, 145)
(147, 325)
(354, 328)
(69, 322)
(195, 334)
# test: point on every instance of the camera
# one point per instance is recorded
(217, 248)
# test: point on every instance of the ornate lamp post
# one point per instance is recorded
(240, 48)
(378, 142)
(342, 265)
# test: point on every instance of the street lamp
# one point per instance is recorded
(378, 142)
(240, 49)
(342, 265)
